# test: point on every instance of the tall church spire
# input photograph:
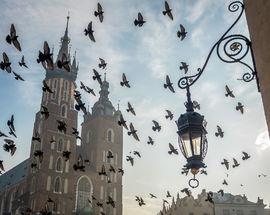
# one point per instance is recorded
(65, 40)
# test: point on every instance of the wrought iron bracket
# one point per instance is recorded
(230, 48)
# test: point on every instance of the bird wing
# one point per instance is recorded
(102, 61)
(182, 28)
(170, 15)
(131, 127)
(5, 58)
(227, 89)
(89, 27)
(167, 7)
(135, 136)
(46, 48)
(235, 161)
(99, 7)
(124, 78)
(155, 123)
(171, 147)
(245, 154)
(12, 30)
(140, 17)
(168, 81)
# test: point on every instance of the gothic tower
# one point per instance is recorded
(101, 137)
(51, 177)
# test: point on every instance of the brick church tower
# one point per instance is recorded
(102, 144)
(52, 178)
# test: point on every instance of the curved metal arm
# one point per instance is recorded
(230, 49)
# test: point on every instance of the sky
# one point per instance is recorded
(146, 55)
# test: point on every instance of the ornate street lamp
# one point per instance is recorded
(230, 48)
(192, 139)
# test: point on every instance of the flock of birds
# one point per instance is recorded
(45, 58)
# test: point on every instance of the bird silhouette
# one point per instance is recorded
(167, 11)
(99, 13)
(172, 149)
(168, 195)
(240, 107)
(66, 155)
(139, 21)
(61, 126)
(182, 32)
(122, 122)
(97, 76)
(133, 132)
(150, 141)
(12, 38)
(102, 171)
(63, 63)
(203, 172)
(39, 155)
(102, 64)
(137, 153)
(196, 105)
(45, 112)
(221, 192)
(186, 191)
(46, 87)
(75, 132)
(89, 31)
(156, 126)
(184, 66)
(169, 84)
(226, 163)
(45, 57)
(5, 64)
(131, 109)
(169, 115)
(225, 182)
(22, 63)
(17, 76)
(245, 156)
(235, 163)
(219, 132)
(9, 146)
(130, 159)
(209, 197)
(229, 92)
(152, 196)
(124, 81)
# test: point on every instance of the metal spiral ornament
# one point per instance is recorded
(231, 48)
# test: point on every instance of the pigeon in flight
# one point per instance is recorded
(169, 115)
(130, 159)
(9, 146)
(97, 76)
(112, 169)
(186, 191)
(120, 170)
(219, 132)
(75, 132)
(229, 92)
(3, 134)
(102, 64)
(80, 106)
(150, 141)
(169, 84)
(184, 66)
(221, 192)
(36, 137)
(79, 165)
(99, 13)
(137, 153)
(262, 175)
(12, 38)
(10, 124)
(133, 132)
(45, 112)
(245, 156)
(39, 154)
(139, 22)
(5, 64)
(210, 197)
(45, 58)
(124, 81)
(63, 63)
(240, 107)
(168, 11)
(152, 196)
(172, 150)
(156, 126)
(196, 105)
(46, 87)
(182, 32)
(102, 171)
(89, 31)
(62, 126)
(2, 165)
(122, 122)
(66, 155)
(17, 76)
(168, 195)
(226, 163)
(110, 202)
(165, 201)
(131, 109)
(235, 163)
(22, 63)
(203, 172)
(225, 182)
(82, 86)
(110, 155)
(185, 171)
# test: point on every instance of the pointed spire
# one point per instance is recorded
(118, 104)
(64, 42)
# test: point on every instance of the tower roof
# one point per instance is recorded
(103, 107)
(65, 40)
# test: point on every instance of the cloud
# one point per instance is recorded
(262, 140)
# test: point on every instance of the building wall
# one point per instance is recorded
(258, 19)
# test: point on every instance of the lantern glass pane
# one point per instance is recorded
(185, 141)
(196, 143)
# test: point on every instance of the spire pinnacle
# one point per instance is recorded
(66, 32)
(118, 104)
(105, 76)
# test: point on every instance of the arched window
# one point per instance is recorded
(83, 193)
(48, 187)
(57, 185)
(59, 165)
(60, 145)
(33, 185)
(65, 91)
(110, 135)
(64, 111)
(54, 88)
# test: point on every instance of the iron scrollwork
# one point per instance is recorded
(231, 48)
